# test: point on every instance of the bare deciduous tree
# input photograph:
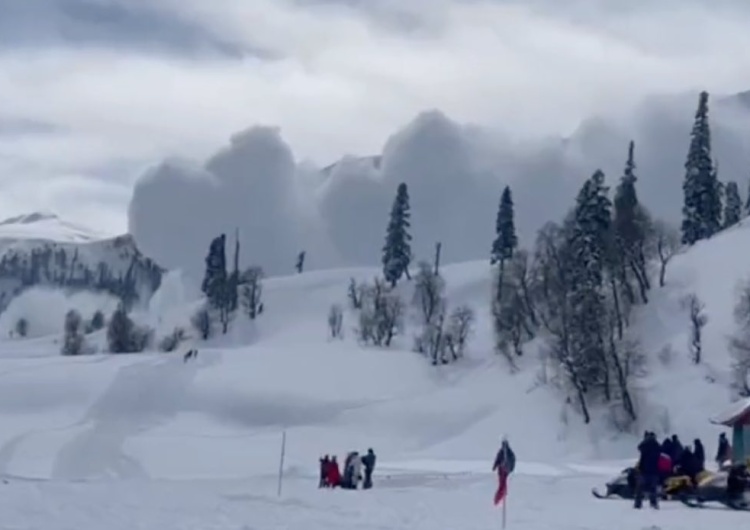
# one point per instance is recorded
(251, 290)
(459, 329)
(336, 321)
(698, 319)
(739, 342)
(664, 244)
(354, 293)
(382, 314)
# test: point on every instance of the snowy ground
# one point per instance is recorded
(416, 501)
(150, 442)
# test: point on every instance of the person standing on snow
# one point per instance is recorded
(677, 449)
(348, 472)
(324, 463)
(334, 475)
(356, 470)
(699, 452)
(368, 461)
(648, 471)
(505, 459)
(724, 451)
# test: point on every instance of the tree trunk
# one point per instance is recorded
(618, 311)
(662, 273)
(641, 278)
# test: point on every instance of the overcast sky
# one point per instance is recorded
(94, 91)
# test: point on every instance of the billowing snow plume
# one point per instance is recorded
(455, 175)
(280, 209)
(44, 309)
(176, 208)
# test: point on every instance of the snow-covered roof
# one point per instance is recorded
(738, 412)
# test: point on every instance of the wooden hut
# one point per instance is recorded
(737, 418)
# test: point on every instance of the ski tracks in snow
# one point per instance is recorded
(142, 396)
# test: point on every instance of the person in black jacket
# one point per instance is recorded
(648, 471)
(677, 449)
(666, 447)
(505, 459)
(724, 451)
(324, 462)
(368, 461)
(688, 464)
(737, 482)
(699, 452)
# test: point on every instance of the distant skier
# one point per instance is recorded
(648, 471)
(368, 461)
(191, 354)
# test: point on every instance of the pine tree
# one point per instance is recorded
(630, 223)
(627, 228)
(506, 240)
(702, 192)
(397, 248)
(234, 277)
(590, 234)
(220, 287)
(589, 242)
(733, 205)
(747, 201)
(216, 272)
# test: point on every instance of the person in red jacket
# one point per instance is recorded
(334, 474)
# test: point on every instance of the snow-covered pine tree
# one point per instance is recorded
(589, 242)
(220, 287)
(73, 338)
(397, 248)
(702, 194)
(506, 241)
(732, 205)
(631, 224)
(234, 277)
(216, 271)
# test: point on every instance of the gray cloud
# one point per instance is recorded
(96, 90)
(125, 25)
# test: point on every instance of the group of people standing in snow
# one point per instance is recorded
(354, 466)
(659, 461)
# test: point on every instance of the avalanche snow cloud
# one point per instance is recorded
(455, 175)
(247, 188)
(113, 86)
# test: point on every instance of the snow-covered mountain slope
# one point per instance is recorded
(284, 372)
(40, 249)
(218, 420)
(45, 226)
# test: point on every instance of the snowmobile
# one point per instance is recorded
(713, 488)
(623, 486)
